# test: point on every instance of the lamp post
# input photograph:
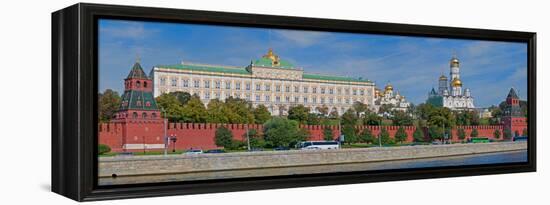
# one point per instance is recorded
(174, 139)
(380, 133)
(165, 129)
(247, 137)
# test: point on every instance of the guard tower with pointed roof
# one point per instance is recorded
(514, 119)
(139, 114)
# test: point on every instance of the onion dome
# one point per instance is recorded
(454, 62)
(456, 82)
(388, 87)
(376, 92)
(443, 78)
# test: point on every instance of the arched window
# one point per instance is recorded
(144, 115)
(154, 115)
(135, 115)
(138, 84)
(145, 84)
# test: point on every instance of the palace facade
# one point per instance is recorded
(269, 81)
(450, 93)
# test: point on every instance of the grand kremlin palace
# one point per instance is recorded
(270, 81)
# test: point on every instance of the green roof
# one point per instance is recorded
(207, 68)
(266, 62)
(137, 72)
(330, 77)
(130, 100)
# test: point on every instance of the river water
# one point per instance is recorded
(478, 159)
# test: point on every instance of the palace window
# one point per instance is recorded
(331, 101)
(287, 99)
(314, 99)
(196, 83)
(267, 98)
(347, 91)
(207, 84)
(347, 100)
(305, 99)
(278, 99)
(138, 84)
(218, 84)
(135, 115)
(207, 95)
(314, 90)
(144, 115)
(238, 85)
(322, 90)
(257, 98)
(354, 92)
(278, 88)
(362, 92)
(322, 100)
(145, 84)
(287, 89)
(247, 86)
(339, 91)
(331, 91)
(296, 89)
(296, 99)
(185, 83)
(163, 81)
(258, 86)
(228, 85)
(267, 87)
(248, 97)
(305, 89)
(174, 82)
(217, 95)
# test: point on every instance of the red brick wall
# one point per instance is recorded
(201, 136)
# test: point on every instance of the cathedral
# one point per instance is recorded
(450, 93)
(388, 97)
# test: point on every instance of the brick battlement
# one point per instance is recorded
(202, 135)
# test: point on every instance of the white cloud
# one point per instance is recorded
(129, 30)
(302, 38)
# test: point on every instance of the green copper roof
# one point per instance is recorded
(138, 100)
(207, 68)
(137, 72)
(266, 62)
(330, 77)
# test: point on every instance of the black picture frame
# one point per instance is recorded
(74, 101)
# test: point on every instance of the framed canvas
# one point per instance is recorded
(156, 102)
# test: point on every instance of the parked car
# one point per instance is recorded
(125, 154)
(281, 148)
(193, 151)
(215, 151)
(256, 150)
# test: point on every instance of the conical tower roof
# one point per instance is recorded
(137, 72)
(513, 94)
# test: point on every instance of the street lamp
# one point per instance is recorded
(173, 139)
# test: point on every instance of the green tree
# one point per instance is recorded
(349, 117)
(366, 136)
(217, 112)
(327, 134)
(461, 133)
(282, 132)
(401, 135)
(360, 108)
(256, 140)
(194, 111)
(372, 119)
(349, 133)
(261, 114)
(323, 110)
(401, 118)
(182, 97)
(299, 113)
(238, 111)
(507, 133)
(224, 138)
(385, 136)
(496, 134)
(171, 106)
(103, 148)
(109, 102)
(436, 133)
(474, 133)
(418, 135)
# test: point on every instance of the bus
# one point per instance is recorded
(479, 140)
(317, 145)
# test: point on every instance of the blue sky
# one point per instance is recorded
(411, 64)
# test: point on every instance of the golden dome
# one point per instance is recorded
(388, 87)
(443, 77)
(456, 82)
